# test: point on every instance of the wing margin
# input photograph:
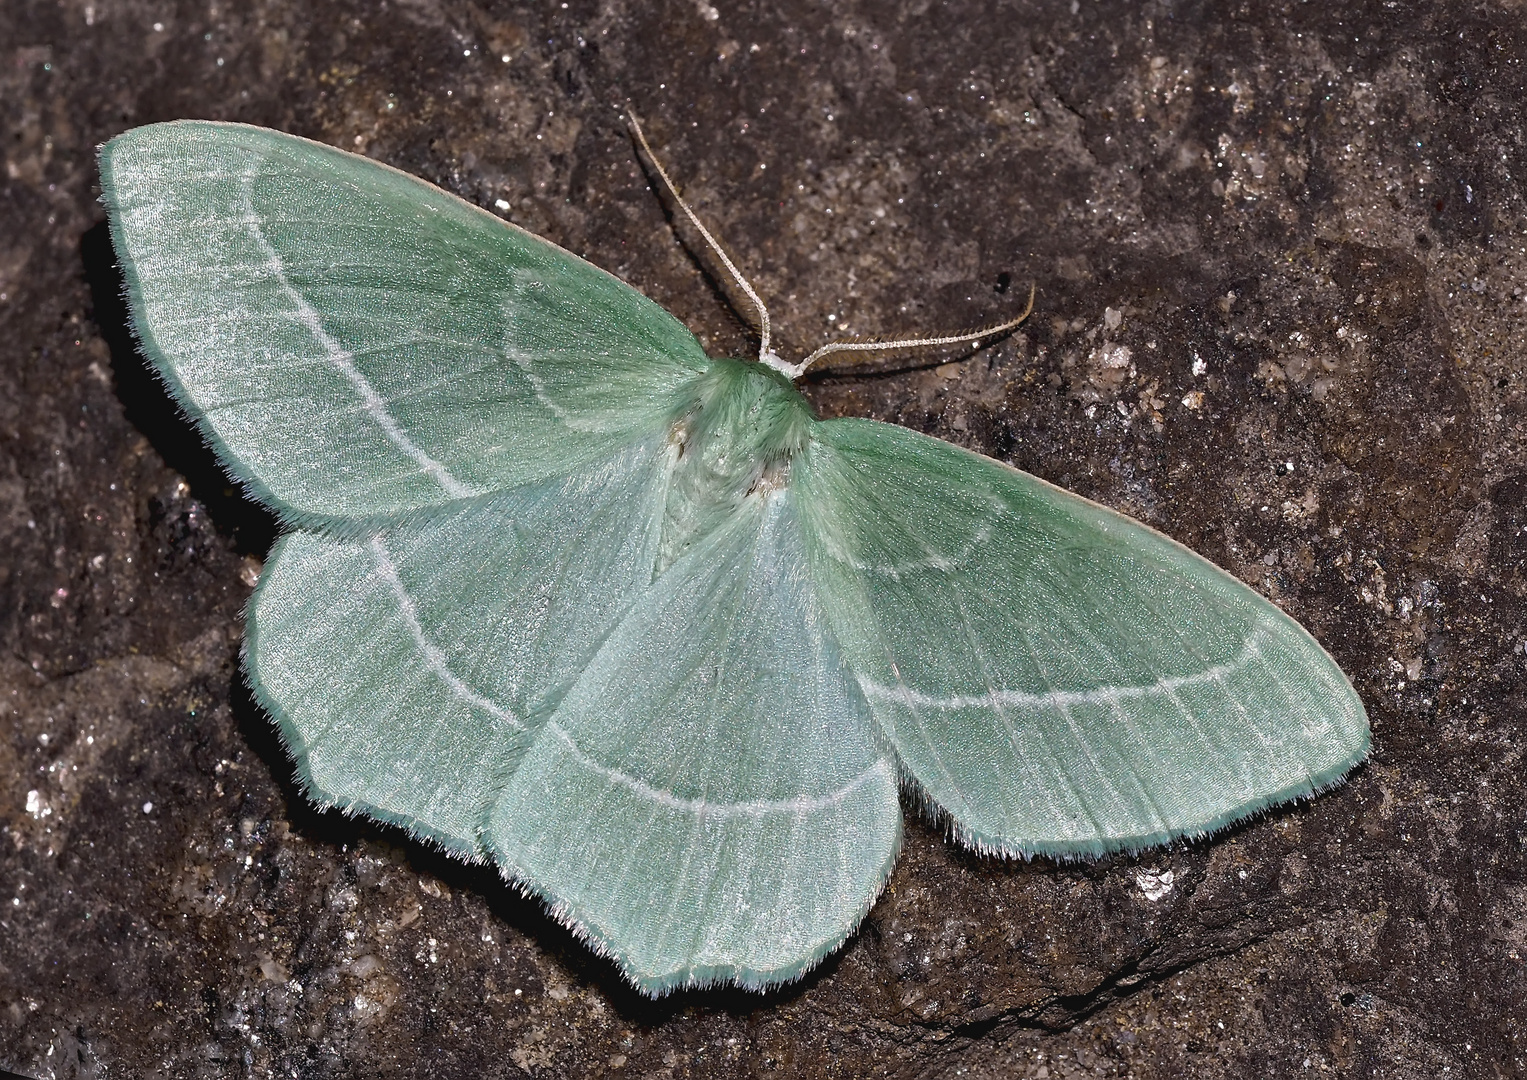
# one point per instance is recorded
(712, 801)
(409, 671)
(354, 342)
(1056, 677)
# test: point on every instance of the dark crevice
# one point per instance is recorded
(1064, 1011)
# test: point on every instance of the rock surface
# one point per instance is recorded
(1281, 258)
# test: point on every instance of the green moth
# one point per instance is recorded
(562, 592)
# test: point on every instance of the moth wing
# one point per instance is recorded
(1057, 677)
(355, 342)
(711, 801)
(411, 669)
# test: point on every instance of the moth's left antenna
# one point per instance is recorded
(765, 355)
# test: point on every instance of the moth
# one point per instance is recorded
(560, 591)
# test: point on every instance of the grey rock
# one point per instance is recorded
(1280, 253)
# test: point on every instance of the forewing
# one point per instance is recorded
(1056, 676)
(711, 801)
(356, 342)
(410, 670)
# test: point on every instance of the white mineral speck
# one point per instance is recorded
(1153, 884)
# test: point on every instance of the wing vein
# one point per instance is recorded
(1056, 761)
(1127, 718)
(989, 675)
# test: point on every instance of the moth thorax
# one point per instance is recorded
(734, 442)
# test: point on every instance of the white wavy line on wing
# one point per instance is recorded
(342, 359)
(799, 804)
(1107, 695)
(434, 659)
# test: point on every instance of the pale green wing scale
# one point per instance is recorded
(356, 342)
(411, 668)
(711, 802)
(1057, 677)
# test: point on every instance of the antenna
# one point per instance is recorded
(767, 356)
(797, 370)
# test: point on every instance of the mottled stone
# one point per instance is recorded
(1280, 253)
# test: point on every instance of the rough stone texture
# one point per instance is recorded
(1280, 254)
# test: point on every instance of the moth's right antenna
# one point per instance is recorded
(796, 370)
(765, 355)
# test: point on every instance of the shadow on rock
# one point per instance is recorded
(150, 408)
(525, 914)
